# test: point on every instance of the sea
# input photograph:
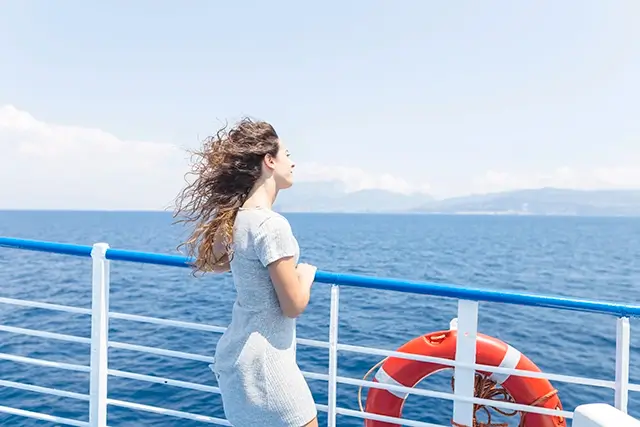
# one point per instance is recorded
(586, 257)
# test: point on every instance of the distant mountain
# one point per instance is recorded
(333, 197)
(544, 201)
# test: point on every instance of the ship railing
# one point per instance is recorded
(464, 365)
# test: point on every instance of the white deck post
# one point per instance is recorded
(99, 336)
(333, 355)
(464, 384)
(623, 342)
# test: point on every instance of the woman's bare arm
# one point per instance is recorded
(292, 288)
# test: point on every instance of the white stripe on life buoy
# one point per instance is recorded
(383, 378)
(510, 361)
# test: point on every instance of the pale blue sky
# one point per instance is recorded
(465, 96)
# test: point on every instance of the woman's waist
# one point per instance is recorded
(262, 325)
(259, 312)
(243, 343)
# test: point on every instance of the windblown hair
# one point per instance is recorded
(225, 170)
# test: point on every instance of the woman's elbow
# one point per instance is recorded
(292, 314)
(294, 310)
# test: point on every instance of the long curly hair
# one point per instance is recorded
(226, 168)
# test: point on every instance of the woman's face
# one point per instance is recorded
(282, 167)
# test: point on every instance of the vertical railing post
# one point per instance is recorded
(333, 355)
(99, 336)
(623, 343)
(464, 378)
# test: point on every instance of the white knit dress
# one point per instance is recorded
(255, 359)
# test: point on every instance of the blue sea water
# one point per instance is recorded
(570, 256)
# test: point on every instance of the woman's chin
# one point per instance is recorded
(286, 184)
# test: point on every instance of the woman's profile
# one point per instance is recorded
(238, 174)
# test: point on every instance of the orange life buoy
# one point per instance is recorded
(489, 351)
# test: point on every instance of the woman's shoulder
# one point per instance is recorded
(261, 219)
(274, 222)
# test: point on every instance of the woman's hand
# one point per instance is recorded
(306, 273)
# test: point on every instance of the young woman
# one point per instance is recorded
(238, 175)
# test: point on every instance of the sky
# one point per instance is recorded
(100, 100)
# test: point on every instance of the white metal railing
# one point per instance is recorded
(464, 365)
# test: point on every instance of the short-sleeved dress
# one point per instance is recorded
(255, 359)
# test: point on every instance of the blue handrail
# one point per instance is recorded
(399, 285)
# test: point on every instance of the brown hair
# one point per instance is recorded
(225, 169)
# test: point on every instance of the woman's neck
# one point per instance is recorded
(262, 195)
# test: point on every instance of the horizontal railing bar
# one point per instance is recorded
(476, 294)
(45, 305)
(354, 381)
(190, 385)
(148, 258)
(43, 417)
(322, 408)
(176, 354)
(43, 334)
(199, 326)
(454, 397)
(45, 363)
(161, 380)
(384, 418)
(399, 354)
(190, 356)
(312, 343)
(167, 322)
(160, 351)
(634, 387)
(416, 287)
(180, 414)
(44, 390)
(44, 246)
(169, 412)
(315, 376)
(476, 366)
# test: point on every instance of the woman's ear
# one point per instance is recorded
(270, 162)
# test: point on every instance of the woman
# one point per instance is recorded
(238, 175)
